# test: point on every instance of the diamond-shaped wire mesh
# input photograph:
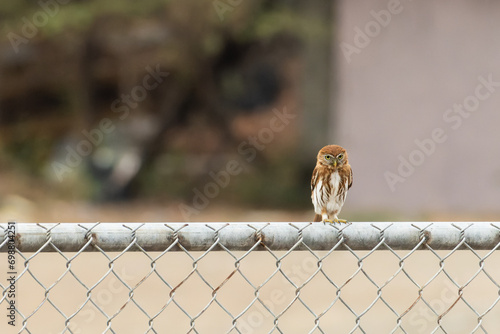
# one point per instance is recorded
(253, 278)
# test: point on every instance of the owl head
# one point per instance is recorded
(332, 156)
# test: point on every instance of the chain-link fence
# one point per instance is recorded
(251, 278)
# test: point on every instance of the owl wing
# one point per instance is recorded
(314, 179)
(349, 177)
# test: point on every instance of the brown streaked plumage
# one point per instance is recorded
(331, 179)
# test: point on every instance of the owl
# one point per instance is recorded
(331, 179)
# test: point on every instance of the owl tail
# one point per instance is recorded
(317, 218)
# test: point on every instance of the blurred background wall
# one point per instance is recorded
(418, 105)
(215, 110)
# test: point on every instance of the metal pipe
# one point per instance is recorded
(71, 237)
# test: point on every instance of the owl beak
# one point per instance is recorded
(334, 163)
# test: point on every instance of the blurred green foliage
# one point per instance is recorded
(199, 35)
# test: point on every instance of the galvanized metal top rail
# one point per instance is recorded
(72, 237)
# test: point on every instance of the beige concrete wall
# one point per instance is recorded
(408, 80)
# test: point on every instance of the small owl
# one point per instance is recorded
(331, 179)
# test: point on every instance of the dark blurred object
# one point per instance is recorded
(241, 77)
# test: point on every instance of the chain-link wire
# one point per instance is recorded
(254, 278)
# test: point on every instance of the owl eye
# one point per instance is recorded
(340, 156)
(328, 157)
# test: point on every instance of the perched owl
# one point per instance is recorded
(331, 179)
